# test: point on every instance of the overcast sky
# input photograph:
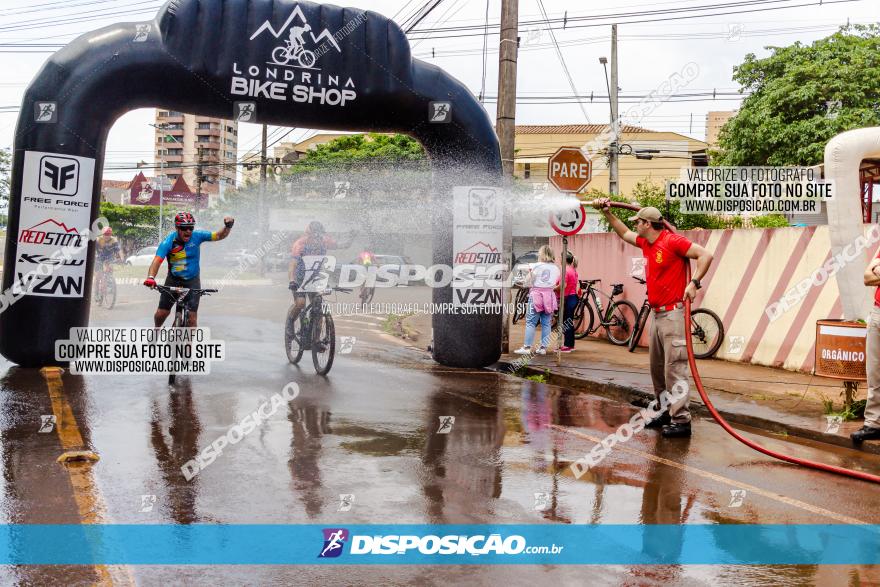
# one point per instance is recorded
(649, 53)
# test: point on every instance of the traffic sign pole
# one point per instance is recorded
(560, 320)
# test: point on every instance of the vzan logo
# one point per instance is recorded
(59, 176)
(290, 72)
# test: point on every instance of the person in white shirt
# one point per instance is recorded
(542, 301)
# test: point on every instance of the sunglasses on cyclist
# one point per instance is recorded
(186, 228)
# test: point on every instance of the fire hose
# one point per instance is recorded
(714, 412)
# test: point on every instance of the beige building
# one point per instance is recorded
(714, 121)
(665, 153)
(182, 137)
(282, 154)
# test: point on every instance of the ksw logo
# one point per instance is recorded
(294, 49)
(59, 176)
(44, 260)
(334, 540)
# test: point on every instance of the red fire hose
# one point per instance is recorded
(727, 427)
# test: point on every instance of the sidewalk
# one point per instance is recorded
(777, 401)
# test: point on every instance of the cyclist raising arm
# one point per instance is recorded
(182, 249)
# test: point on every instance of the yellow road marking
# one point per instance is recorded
(86, 494)
(719, 478)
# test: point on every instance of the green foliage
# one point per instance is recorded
(5, 172)
(785, 120)
(136, 226)
(353, 151)
(542, 378)
(647, 193)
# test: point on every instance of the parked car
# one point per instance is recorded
(143, 257)
(239, 256)
(521, 266)
(276, 261)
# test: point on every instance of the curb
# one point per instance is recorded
(640, 397)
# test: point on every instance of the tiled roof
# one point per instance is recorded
(571, 129)
(115, 183)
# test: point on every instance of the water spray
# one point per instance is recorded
(718, 418)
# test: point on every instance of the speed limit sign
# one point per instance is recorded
(568, 219)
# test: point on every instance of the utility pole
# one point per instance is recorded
(263, 177)
(199, 169)
(613, 182)
(505, 119)
(505, 128)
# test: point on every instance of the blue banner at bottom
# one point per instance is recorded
(211, 544)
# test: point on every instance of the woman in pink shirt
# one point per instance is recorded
(570, 301)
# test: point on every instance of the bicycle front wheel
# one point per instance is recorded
(108, 298)
(293, 337)
(707, 332)
(323, 344)
(178, 321)
(586, 317)
(367, 294)
(639, 327)
(621, 319)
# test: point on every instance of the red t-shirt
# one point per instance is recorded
(877, 291)
(666, 269)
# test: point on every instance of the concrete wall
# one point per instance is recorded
(752, 269)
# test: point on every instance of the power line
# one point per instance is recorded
(562, 59)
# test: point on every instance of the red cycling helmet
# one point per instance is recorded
(184, 219)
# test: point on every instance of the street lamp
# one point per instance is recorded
(162, 127)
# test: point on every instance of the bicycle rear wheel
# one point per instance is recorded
(323, 344)
(620, 322)
(520, 305)
(707, 332)
(367, 294)
(293, 337)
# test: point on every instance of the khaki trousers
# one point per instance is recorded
(872, 408)
(669, 363)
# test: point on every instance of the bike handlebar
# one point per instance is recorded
(183, 291)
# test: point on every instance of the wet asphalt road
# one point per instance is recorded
(369, 429)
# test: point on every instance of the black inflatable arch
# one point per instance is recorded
(188, 59)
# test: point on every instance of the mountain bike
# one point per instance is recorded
(617, 318)
(181, 312)
(105, 287)
(707, 330)
(313, 329)
(283, 55)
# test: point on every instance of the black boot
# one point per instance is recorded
(676, 430)
(660, 421)
(865, 433)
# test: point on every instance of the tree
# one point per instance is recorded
(357, 151)
(5, 171)
(136, 226)
(801, 96)
(647, 193)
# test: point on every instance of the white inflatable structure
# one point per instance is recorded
(843, 156)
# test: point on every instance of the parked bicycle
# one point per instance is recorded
(181, 312)
(617, 318)
(313, 329)
(707, 330)
(105, 287)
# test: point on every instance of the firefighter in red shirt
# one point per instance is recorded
(871, 428)
(667, 254)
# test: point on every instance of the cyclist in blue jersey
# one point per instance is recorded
(182, 250)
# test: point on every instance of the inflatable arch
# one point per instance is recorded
(204, 57)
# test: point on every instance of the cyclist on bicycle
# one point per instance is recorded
(296, 38)
(107, 250)
(315, 242)
(182, 249)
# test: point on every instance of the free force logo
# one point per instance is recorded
(59, 176)
(334, 540)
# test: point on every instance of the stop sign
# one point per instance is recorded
(569, 170)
